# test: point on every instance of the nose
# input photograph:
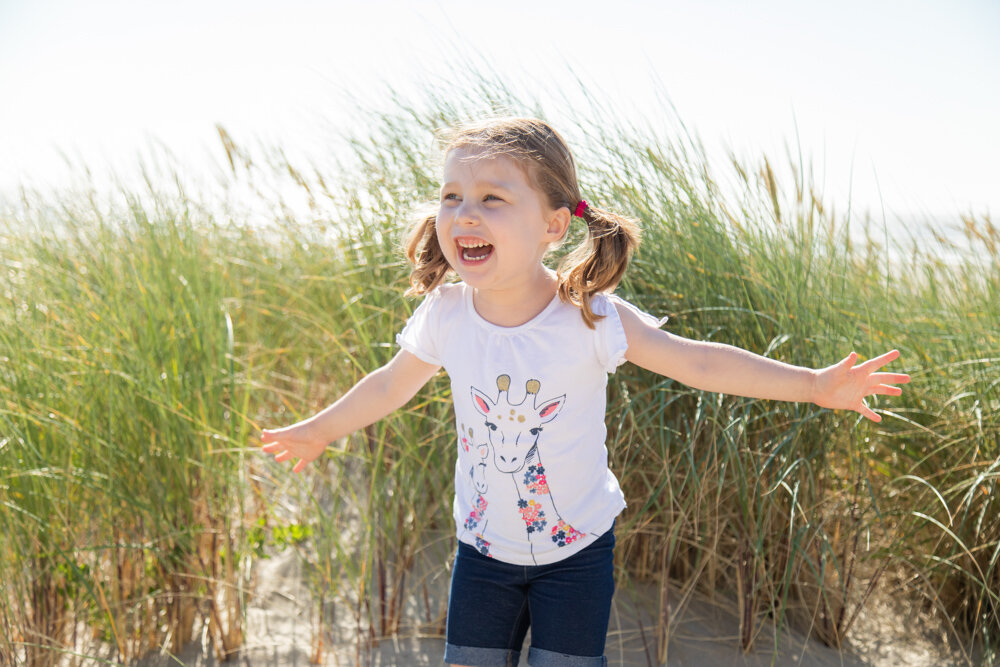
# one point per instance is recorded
(466, 214)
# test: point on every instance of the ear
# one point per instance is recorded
(548, 410)
(482, 402)
(558, 220)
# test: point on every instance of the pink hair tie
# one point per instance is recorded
(580, 208)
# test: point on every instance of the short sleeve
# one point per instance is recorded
(420, 335)
(611, 341)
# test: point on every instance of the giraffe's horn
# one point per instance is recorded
(503, 382)
(532, 386)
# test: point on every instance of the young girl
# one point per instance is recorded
(528, 351)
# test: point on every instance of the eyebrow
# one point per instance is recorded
(487, 185)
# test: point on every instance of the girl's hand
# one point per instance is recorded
(844, 386)
(296, 441)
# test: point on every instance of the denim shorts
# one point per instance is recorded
(567, 604)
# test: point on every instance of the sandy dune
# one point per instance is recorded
(703, 633)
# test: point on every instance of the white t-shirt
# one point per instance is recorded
(532, 484)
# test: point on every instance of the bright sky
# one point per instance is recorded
(895, 102)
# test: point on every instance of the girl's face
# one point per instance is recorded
(493, 226)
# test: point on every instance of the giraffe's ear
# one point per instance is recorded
(548, 410)
(482, 402)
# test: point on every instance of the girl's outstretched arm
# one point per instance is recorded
(731, 370)
(372, 398)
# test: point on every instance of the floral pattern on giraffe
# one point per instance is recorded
(532, 514)
(563, 533)
(534, 480)
(477, 514)
(482, 546)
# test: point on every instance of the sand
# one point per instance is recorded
(704, 632)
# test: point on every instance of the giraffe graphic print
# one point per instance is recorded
(476, 521)
(513, 432)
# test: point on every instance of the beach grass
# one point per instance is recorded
(145, 338)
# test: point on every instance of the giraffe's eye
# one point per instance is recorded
(536, 430)
(492, 426)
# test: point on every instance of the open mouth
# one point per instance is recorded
(473, 250)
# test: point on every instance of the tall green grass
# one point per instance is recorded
(124, 476)
(143, 344)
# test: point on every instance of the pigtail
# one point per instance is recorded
(422, 249)
(599, 262)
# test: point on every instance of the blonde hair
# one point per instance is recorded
(596, 265)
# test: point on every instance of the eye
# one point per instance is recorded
(536, 430)
(492, 198)
(450, 196)
(492, 426)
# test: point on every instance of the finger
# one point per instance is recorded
(271, 447)
(266, 435)
(283, 456)
(879, 361)
(890, 378)
(300, 466)
(868, 413)
(885, 389)
(848, 361)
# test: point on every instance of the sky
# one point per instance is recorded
(894, 103)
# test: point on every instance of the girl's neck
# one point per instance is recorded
(513, 307)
